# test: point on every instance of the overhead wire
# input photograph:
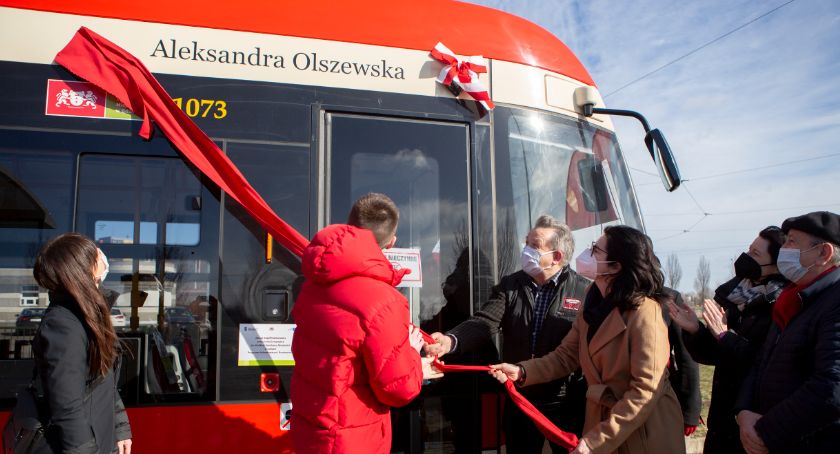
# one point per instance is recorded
(763, 210)
(752, 169)
(694, 51)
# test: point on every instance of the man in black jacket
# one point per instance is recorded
(534, 308)
(791, 400)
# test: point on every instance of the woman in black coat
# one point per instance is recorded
(76, 351)
(734, 332)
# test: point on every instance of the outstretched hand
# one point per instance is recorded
(504, 372)
(684, 317)
(429, 369)
(442, 345)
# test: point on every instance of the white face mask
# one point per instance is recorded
(587, 265)
(104, 260)
(789, 264)
(530, 259)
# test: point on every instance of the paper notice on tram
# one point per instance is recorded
(406, 258)
(266, 344)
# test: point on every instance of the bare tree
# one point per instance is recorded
(690, 299)
(673, 271)
(704, 277)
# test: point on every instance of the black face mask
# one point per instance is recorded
(747, 268)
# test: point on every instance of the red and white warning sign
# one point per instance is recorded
(285, 416)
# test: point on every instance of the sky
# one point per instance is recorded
(753, 118)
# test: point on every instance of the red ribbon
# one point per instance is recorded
(111, 68)
(568, 440)
(463, 74)
(457, 367)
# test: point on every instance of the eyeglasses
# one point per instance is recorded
(594, 247)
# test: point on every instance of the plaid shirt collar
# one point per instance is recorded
(543, 295)
(554, 279)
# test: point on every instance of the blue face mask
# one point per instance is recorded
(789, 264)
(530, 259)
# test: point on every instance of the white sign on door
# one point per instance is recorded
(402, 258)
(266, 344)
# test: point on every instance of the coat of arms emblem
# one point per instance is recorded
(73, 98)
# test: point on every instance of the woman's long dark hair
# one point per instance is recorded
(640, 276)
(66, 264)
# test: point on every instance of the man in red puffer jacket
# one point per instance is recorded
(354, 355)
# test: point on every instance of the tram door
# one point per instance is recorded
(424, 167)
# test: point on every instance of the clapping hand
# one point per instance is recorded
(684, 317)
(715, 317)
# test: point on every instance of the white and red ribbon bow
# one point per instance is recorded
(462, 74)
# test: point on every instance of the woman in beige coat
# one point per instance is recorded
(620, 341)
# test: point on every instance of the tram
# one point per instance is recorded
(316, 103)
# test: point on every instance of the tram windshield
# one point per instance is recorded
(569, 169)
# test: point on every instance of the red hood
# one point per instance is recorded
(340, 251)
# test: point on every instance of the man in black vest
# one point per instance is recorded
(534, 308)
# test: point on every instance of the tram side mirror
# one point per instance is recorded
(664, 160)
(593, 185)
(586, 98)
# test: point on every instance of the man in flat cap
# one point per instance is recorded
(791, 400)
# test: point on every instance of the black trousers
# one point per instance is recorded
(523, 437)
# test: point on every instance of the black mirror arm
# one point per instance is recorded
(589, 110)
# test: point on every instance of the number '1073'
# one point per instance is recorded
(202, 107)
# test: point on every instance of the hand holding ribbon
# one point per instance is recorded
(568, 440)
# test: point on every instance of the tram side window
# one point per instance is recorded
(146, 215)
(259, 284)
(280, 174)
(540, 153)
(622, 199)
(36, 199)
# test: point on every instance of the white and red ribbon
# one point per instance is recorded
(463, 74)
